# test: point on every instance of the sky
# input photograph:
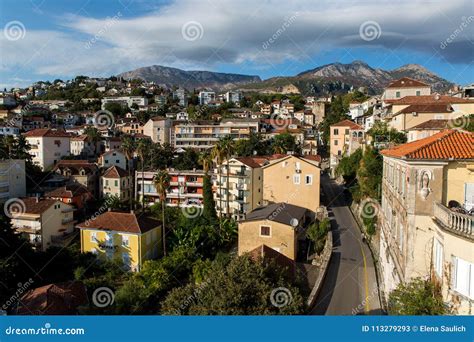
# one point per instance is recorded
(49, 39)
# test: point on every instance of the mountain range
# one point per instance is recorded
(330, 78)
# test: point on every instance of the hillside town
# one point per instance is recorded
(179, 201)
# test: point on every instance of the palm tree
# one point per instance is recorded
(143, 150)
(205, 160)
(227, 144)
(217, 154)
(162, 183)
(94, 136)
(128, 147)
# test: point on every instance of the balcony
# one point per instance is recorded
(453, 221)
(242, 186)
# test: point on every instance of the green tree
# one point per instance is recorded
(94, 137)
(162, 183)
(348, 166)
(284, 142)
(128, 147)
(381, 133)
(369, 174)
(417, 297)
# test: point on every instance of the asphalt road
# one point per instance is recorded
(350, 286)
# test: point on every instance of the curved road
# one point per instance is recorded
(350, 286)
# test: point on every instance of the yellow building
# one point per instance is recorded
(293, 180)
(426, 221)
(280, 226)
(345, 137)
(122, 236)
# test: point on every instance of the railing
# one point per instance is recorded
(457, 222)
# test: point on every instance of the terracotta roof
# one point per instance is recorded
(427, 108)
(122, 222)
(36, 206)
(407, 82)
(54, 299)
(265, 253)
(82, 137)
(115, 172)
(253, 162)
(68, 191)
(347, 123)
(158, 118)
(76, 165)
(428, 99)
(447, 144)
(316, 158)
(432, 125)
(46, 132)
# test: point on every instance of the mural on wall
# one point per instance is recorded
(425, 178)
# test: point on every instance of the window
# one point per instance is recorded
(397, 94)
(264, 231)
(463, 277)
(418, 93)
(116, 183)
(438, 257)
(125, 241)
(336, 142)
(308, 180)
(296, 179)
(126, 259)
(336, 131)
(93, 236)
(106, 182)
(346, 132)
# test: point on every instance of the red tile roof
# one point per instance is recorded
(432, 125)
(36, 206)
(447, 144)
(427, 108)
(347, 123)
(407, 82)
(122, 222)
(428, 99)
(115, 172)
(46, 132)
(68, 191)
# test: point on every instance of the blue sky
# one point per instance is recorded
(48, 39)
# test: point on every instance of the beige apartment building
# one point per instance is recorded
(203, 135)
(12, 179)
(158, 129)
(292, 180)
(426, 229)
(116, 182)
(405, 87)
(48, 146)
(344, 138)
(44, 222)
(280, 226)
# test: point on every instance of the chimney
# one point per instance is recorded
(37, 198)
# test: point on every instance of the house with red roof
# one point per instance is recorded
(405, 86)
(48, 146)
(426, 218)
(344, 138)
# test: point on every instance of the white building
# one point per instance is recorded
(125, 100)
(48, 146)
(205, 97)
(12, 179)
(233, 96)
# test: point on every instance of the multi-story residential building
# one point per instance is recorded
(9, 131)
(48, 146)
(116, 182)
(82, 146)
(44, 222)
(427, 129)
(128, 237)
(344, 138)
(182, 96)
(206, 97)
(245, 187)
(233, 96)
(113, 158)
(7, 100)
(405, 87)
(12, 179)
(125, 101)
(158, 129)
(80, 171)
(280, 226)
(318, 108)
(292, 180)
(186, 188)
(203, 135)
(426, 229)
